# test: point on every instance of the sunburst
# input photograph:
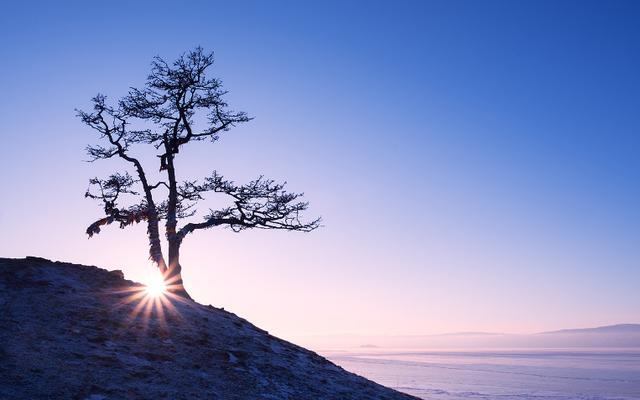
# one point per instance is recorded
(155, 286)
(154, 299)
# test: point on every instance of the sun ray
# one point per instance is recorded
(138, 307)
(151, 304)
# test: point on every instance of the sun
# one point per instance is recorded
(155, 285)
(153, 299)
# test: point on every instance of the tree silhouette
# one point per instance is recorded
(161, 115)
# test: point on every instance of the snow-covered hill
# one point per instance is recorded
(73, 332)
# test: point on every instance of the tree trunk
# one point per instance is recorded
(155, 248)
(173, 277)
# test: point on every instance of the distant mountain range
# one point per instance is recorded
(610, 336)
(619, 328)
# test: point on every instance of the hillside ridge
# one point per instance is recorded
(81, 332)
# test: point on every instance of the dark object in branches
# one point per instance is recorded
(162, 115)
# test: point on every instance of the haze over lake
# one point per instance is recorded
(597, 364)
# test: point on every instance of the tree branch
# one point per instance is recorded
(261, 204)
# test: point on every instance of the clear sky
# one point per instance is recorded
(476, 164)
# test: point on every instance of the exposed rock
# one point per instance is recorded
(72, 332)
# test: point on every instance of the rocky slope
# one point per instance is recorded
(76, 332)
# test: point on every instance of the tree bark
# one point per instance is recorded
(155, 248)
(173, 277)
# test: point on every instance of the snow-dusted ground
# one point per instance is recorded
(77, 332)
(530, 374)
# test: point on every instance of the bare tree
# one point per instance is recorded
(162, 115)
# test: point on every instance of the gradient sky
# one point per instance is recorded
(476, 164)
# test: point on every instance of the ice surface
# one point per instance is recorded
(558, 374)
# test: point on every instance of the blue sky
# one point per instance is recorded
(476, 163)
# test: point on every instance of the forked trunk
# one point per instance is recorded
(173, 277)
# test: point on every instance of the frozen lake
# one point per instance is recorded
(504, 374)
